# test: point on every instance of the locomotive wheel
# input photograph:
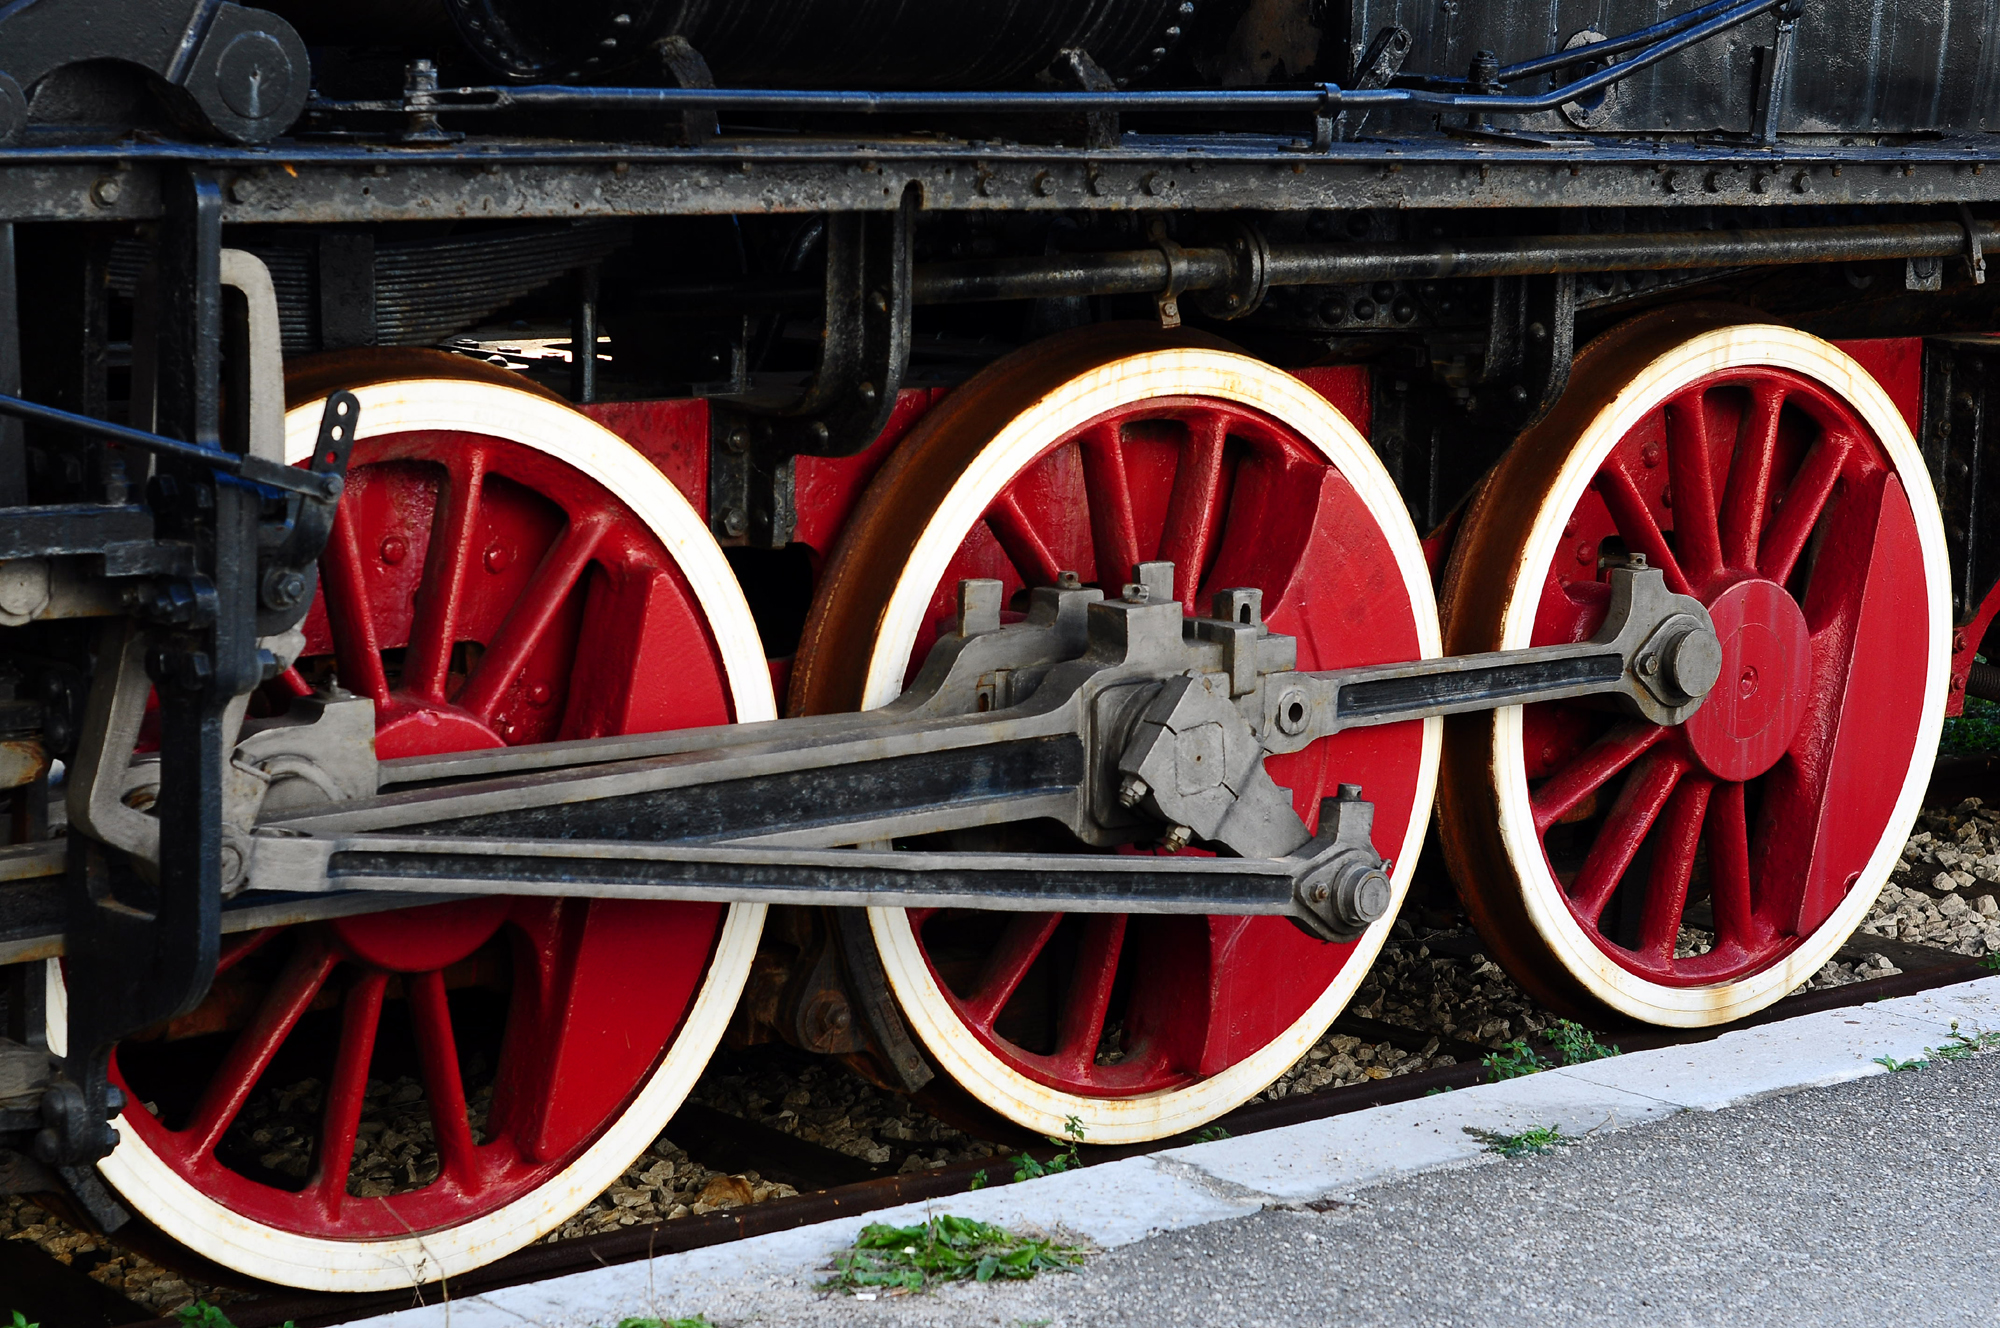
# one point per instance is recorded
(1091, 452)
(502, 570)
(1765, 472)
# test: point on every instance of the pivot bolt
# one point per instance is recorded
(1176, 839)
(1131, 790)
(1692, 662)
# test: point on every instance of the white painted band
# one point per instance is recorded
(1712, 352)
(153, 1188)
(1168, 373)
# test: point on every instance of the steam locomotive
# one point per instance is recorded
(1001, 543)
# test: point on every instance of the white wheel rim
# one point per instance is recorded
(145, 1180)
(1197, 373)
(1712, 352)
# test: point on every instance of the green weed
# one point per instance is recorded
(21, 1321)
(978, 1180)
(698, 1321)
(945, 1249)
(1975, 732)
(1575, 1044)
(1209, 1134)
(1963, 1046)
(1539, 1139)
(1513, 1061)
(1027, 1168)
(201, 1314)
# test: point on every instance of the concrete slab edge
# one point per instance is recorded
(1120, 1202)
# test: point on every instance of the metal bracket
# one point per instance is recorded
(1774, 75)
(244, 71)
(1073, 68)
(1974, 257)
(864, 354)
(682, 63)
(1530, 343)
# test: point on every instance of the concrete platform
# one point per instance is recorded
(1878, 1197)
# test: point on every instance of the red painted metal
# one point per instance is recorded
(1765, 495)
(481, 592)
(1116, 1006)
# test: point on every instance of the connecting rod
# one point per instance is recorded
(1123, 721)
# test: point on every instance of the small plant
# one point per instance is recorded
(1513, 1061)
(945, 1249)
(1963, 1046)
(1538, 1139)
(978, 1180)
(201, 1314)
(1027, 1168)
(1211, 1134)
(1991, 961)
(1575, 1044)
(698, 1321)
(1895, 1066)
(21, 1321)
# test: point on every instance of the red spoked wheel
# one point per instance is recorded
(1092, 452)
(1688, 876)
(502, 570)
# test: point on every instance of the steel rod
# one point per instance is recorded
(1144, 271)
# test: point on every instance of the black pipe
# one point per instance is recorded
(1145, 271)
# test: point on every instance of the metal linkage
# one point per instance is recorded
(1125, 721)
(1323, 101)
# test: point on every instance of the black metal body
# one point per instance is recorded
(797, 208)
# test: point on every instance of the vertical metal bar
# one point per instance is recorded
(13, 445)
(143, 951)
(583, 339)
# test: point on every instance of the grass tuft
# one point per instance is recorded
(698, 1321)
(945, 1249)
(1538, 1139)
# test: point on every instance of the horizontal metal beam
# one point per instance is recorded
(1145, 271)
(1039, 882)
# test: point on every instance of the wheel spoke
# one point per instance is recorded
(1021, 543)
(1639, 803)
(1690, 461)
(1636, 524)
(1749, 490)
(507, 654)
(1022, 941)
(303, 975)
(340, 1122)
(357, 651)
(1803, 502)
(1728, 832)
(1673, 864)
(1194, 509)
(1114, 532)
(451, 560)
(1089, 999)
(444, 1090)
(1591, 768)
